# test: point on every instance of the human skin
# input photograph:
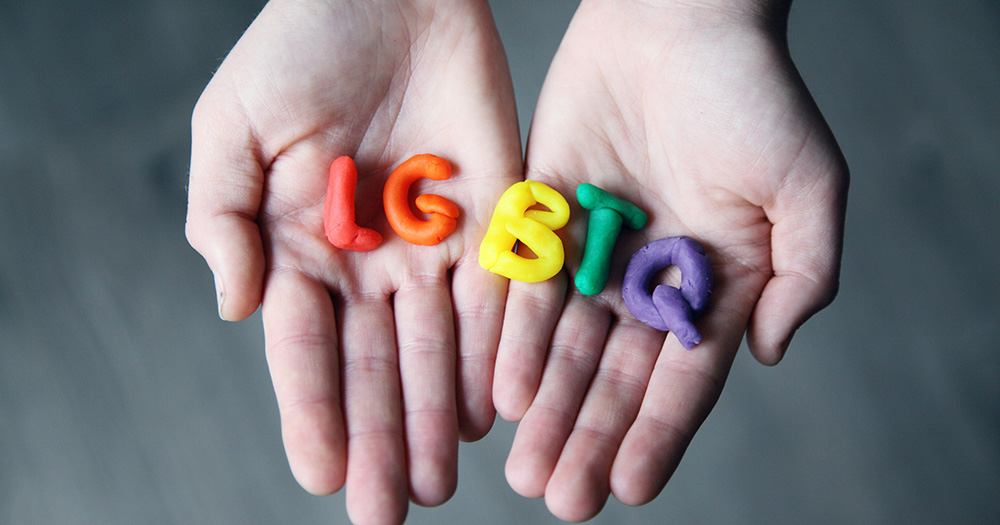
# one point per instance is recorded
(694, 112)
(382, 360)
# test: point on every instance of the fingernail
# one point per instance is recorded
(784, 345)
(220, 294)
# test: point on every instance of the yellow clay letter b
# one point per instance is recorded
(512, 221)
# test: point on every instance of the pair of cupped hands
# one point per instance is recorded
(382, 361)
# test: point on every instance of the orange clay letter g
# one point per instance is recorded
(512, 221)
(443, 213)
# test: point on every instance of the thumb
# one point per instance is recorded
(806, 244)
(224, 195)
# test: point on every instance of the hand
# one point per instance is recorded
(381, 359)
(697, 115)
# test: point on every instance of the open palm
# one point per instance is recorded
(697, 116)
(380, 359)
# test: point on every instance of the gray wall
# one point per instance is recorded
(123, 399)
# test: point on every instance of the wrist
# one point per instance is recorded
(768, 14)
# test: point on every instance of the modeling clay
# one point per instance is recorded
(512, 221)
(607, 213)
(443, 213)
(338, 210)
(669, 309)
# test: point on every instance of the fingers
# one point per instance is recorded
(683, 388)
(580, 483)
(806, 244)
(576, 348)
(479, 298)
(530, 315)
(426, 340)
(224, 196)
(620, 425)
(301, 344)
(376, 471)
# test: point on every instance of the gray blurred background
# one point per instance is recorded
(123, 398)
